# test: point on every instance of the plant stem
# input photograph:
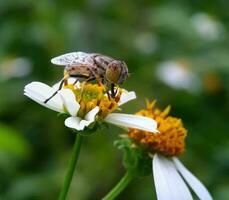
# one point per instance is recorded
(126, 179)
(71, 167)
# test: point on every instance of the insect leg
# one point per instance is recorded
(108, 94)
(116, 91)
(90, 79)
(60, 86)
(78, 76)
(96, 77)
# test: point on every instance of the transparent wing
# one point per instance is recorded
(73, 58)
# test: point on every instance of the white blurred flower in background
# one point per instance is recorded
(146, 42)
(207, 27)
(15, 68)
(178, 76)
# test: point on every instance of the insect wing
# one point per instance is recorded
(74, 58)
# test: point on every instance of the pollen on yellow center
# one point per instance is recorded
(170, 141)
(91, 95)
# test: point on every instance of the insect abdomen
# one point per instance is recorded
(75, 70)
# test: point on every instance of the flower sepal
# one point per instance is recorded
(136, 160)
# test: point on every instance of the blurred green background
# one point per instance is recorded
(177, 53)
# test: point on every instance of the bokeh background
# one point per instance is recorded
(177, 53)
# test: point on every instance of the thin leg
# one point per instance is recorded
(63, 81)
(60, 86)
(90, 79)
(87, 79)
(103, 81)
(78, 76)
(116, 91)
(97, 77)
(108, 94)
(75, 81)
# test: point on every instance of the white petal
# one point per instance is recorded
(76, 123)
(126, 96)
(168, 183)
(56, 85)
(193, 182)
(69, 101)
(90, 116)
(39, 92)
(132, 121)
(71, 80)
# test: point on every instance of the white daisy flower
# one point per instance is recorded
(14, 68)
(178, 76)
(207, 27)
(86, 103)
(171, 178)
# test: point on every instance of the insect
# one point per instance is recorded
(92, 66)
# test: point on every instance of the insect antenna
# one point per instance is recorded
(129, 74)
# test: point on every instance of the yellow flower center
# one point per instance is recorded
(170, 141)
(91, 95)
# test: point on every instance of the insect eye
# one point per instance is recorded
(113, 72)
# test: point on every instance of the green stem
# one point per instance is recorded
(71, 167)
(126, 179)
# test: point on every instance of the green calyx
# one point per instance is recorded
(135, 159)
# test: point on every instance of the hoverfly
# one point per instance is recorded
(92, 66)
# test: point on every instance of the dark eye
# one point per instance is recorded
(113, 72)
